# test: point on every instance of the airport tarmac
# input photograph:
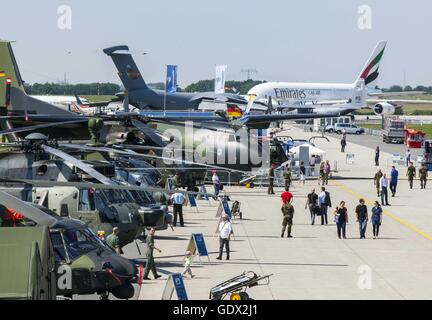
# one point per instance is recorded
(314, 264)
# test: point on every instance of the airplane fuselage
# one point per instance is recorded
(296, 93)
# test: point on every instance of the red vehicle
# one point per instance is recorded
(414, 138)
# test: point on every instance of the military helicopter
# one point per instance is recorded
(102, 209)
(83, 263)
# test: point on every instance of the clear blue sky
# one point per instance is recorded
(307, 40)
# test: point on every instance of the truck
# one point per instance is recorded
(393, 130)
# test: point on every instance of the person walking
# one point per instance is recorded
(362, 218)
(287, 177)
(423, 172)
(411, 174)
(377, 178)
(302, 172)
(225, 231)
(178, 199)
(341, 219)
(408, 157)
(394, 174)
(286, 196)
(216, 184)
(271, 179)
(377, 154)
(113, 240)
(312, 203)
(321, 179)
(343, 144)
(187, 264)
(150, 264)
(376, 219)
(324, 202)
(384, 189)
(287, 221)
(327, 170)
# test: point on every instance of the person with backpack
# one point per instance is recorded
(312, 203)
(324, 201)
(288, 214)
(341, 219)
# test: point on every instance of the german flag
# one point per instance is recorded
(2, 74)
(234, 111)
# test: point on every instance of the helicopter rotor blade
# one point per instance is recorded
(88, 185)
(140, 155)
(27, 209)
(40, 126)
(83, 166)
(152, 134)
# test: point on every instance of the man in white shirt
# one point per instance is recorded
(225, 231)
(178, 199)
(384, 183)
(216, 184)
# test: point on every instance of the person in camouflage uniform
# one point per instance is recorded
(411, 173)
(377, 178)
(288, 214)
(150, 264)
(287, 178)
(423, 172)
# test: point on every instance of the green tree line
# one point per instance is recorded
(232, 86)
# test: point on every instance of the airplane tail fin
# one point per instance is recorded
(13, 95)
(8, 70)
(127, 69)
(370, 72)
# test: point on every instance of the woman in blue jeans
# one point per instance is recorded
(376, 219)
(341, 219)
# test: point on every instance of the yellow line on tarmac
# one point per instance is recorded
(406, 224)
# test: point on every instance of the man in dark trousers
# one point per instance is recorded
(423, 172)
(411, 173)
(377, 154)
(343, 144)
(312, 203)
(225, 231)
(288, 214)
(150, 264)
(178, 199)
(271, 180)
(362, 218)
(377, 178)
(394, 174)
(324, 201)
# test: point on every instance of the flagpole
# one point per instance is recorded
(165, 92)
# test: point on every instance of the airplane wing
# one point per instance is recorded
(396, 94)
(263, 120)
(399, 101)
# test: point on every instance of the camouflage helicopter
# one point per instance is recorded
(83, 263)
(102, 209)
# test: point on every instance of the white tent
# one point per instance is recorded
(313, 152)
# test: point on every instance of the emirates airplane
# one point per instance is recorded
(326, 96)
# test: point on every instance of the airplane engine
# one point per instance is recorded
(384, 108)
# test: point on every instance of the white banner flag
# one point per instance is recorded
(220, 78)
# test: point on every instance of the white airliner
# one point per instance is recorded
(329, 96)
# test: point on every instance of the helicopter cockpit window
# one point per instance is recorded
(86, 200)
(79, 242)
(59, 249)
(42, 170)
